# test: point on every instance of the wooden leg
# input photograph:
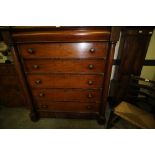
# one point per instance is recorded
(109, 120)
(34, 117)
(101, 120)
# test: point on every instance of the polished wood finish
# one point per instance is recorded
(67, 106)
(61, 66)
(62, 35)
(24, 84)
(65, 81)
(64, 50)
(84, 95)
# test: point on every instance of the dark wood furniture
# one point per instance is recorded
(65, 72)
(135, 104)
(11, 94)
(134, 43)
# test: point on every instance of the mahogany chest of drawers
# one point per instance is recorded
(65, 71)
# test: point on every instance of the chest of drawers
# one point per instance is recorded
(65, 71)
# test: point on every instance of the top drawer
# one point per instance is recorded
(63, 34)
(64, 50)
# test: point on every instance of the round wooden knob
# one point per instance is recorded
(140, 31)
(41, 94)
(90, 66)
(35, 66)
(90, 82)
(92, 50)
(30, 50)
(90, 95)
(38, 81)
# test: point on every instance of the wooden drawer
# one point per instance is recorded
(79, 115)
(65, 81)
(68, 106)
(64, 50)
(67, 95)
(61, 34)
(41, 66)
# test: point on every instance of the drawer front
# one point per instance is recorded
(40, 66)
(64, 50)
(68, 106)
(67, 95)
(65, 81)
(62, 34)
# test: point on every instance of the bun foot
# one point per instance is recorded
(34, 117)
(101, 120)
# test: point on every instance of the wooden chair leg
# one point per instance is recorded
(109, 120)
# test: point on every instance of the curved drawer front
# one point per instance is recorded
(68, 106)
(65, 81)
(73, 66)
(64, 50)
(67, 95)
(63, 34)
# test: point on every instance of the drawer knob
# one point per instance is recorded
(90, 82)
(140, 31)
(38, 81)
(92, 50)
(89, 107)
(41, 94)
(30, 50)
(35, 66)
(90, 66)
(90, 95)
